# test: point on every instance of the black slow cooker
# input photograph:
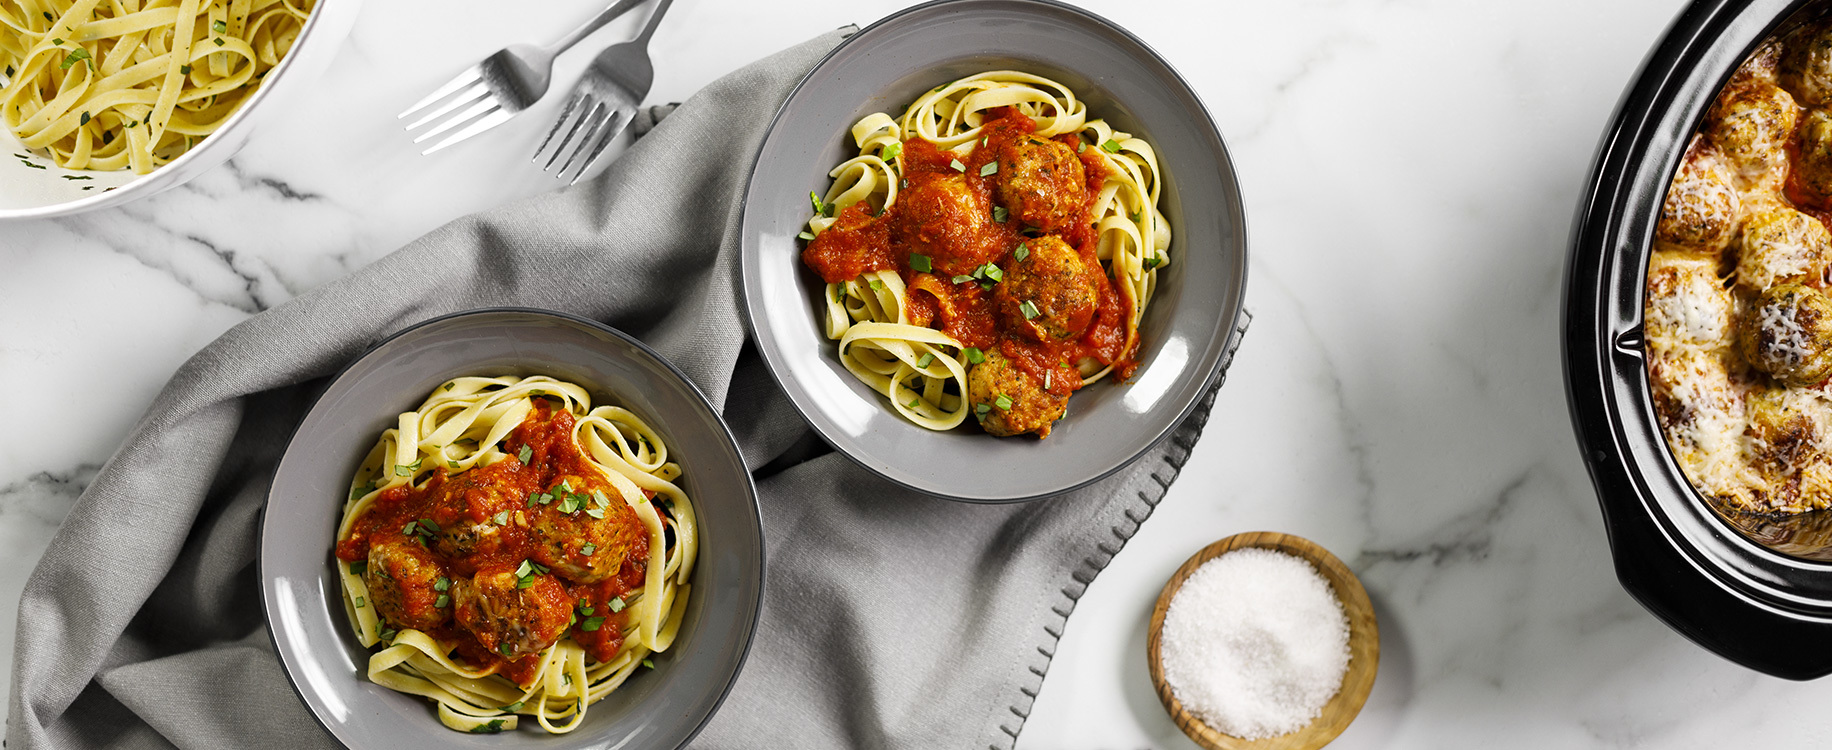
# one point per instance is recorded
(1756, 591)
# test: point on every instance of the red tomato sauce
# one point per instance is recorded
(938, 296)
(542, 455)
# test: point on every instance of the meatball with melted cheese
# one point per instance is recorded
(1687, 304)
(1806, 68)
(403, 581)
(1752, 125)
(1008, 401)
(508, 618)
(579, 544)
(1788, 334)
(1051, 294)
(1780, 244)
(1701, 209)
(1042, 182)
(942, 217)
(1813, 168)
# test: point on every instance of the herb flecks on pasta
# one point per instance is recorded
(515, 552)
(124, 84)
(989, 252)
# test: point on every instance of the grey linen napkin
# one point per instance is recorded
(890, 619)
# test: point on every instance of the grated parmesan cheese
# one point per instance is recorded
(1255, 643)
(1782, 334)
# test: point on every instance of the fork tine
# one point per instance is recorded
(585, 140)
(590, 111)
(619, 118)
(483, 106)
(496, 117)
(566, 113)
(472, 94)
(469, 76)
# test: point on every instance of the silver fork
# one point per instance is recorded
(605, 100)
(500, 86)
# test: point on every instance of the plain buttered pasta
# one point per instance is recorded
(988, 252)
(512, 552)
(126, 84)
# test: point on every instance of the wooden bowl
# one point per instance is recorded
(1364, 647)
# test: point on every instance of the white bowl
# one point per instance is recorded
(43, 193)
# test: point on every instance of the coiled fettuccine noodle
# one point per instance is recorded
(459, 427)
(867, 315)
(114, 84)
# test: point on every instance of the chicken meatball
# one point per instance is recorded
(480, 493)
(1788, 334)
(942, 217)
(1041, 182)
(1778, 245)
(509, 618)
(1008, 401)
(1701, 208)
(1813, 170)
(580, 545)
(1751, 125)
(1687, 304)
(1806, 68)
(403, 581)
(1051, 293)
(1787, 426)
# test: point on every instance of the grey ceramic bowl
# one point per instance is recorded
(1186, 329)
(660, 708)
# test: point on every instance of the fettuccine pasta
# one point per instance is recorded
(988, 252)
(515, 552)
(119, 84)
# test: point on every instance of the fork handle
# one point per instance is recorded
(597, 22)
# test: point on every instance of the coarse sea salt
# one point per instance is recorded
(1255, 643)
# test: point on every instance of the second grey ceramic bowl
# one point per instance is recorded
(1186, 329)
(661, 708)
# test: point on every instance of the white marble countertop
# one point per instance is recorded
(1410, 170)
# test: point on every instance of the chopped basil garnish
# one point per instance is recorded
(1021, 253)
(502, 518)
(981, 409)
(1003, 402)
(999, 213)
(448, 386)
(927, 358)
(1111, 146)
(992, 167)
(962, 279)
(218, 40)
(524, 454)
(360, 603)
(648, 663)
(892, 151)
(588, 549)
(443, 584)
(1154, 261)
(992, 272)
(513, 707)
(809, 236)
(957, 165)
(603, 502)
(1029, 309)
(974, 354)
(219, 27)
(912, 403)
(595, 512)
(591, 624)
(877, 285)
(920, 262)
(443, 600)
(388, 635)
(615, 605)
(496, 725)
(525, 568)
(84, 120)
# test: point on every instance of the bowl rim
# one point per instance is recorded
(144, 185)
(1234, 307)
(753, 609)
(1672, 551)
